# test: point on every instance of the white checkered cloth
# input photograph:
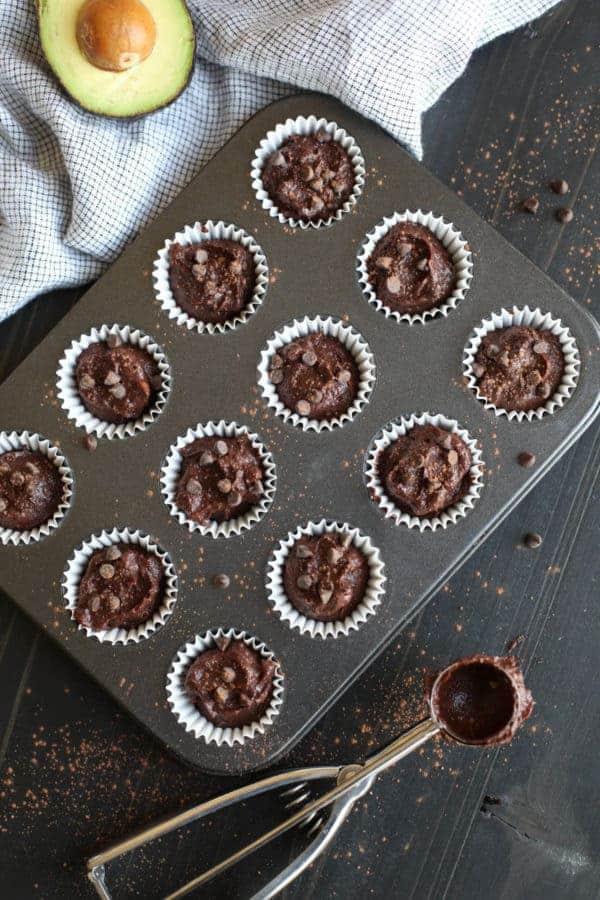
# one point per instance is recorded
(74, 189)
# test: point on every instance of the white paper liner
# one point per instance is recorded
(76, 568)
(391, 432)
(352, 341)
(448, 235)
(188, 715)
(24, 440)
(70, 398)
(304, 126)
(171, 471)
(194, 234)
(531, 318)
(367, 607)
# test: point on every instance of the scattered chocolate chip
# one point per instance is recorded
(423, 264)
(222, 694)
(316, 184)
(118, 391)
(405, 249)
(113, 341)
(344, 377)
(86, 382)
(309, 358)
(31, 467)
(224, 485)
(106, 571)
(559, 186)
(95, 604)
(112, 378)
(221, 580)
(206, 458)
(334, 555)
(17, 479)
(236, 267)
(228, 674)
(384, 262)
(276, 376)
(323, 136)
(452, 457)
(526, 459)
(222, 642)
(3, 505)
(193, 487)
(86, 619)
(532, 540)
(113, 602)
(234, 498)
(564, 214)
(540, 347)
(221, 448)
(276, 361)
(325, 594)
(303, 408)
(278, 159)
(113, 553)
(303, 552)
(393, 284)
(531, 205)
(307, 173)
(492, 350)
(315, 396)
(304, 582)
(544, 390)
(478, 370)
(201, 255)
(199, 271)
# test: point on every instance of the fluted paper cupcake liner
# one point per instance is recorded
(171, 472)
(70, 399)
(188, 715)
(448, 235)
(351, 340)
(390, 433)
(24, 440)
(194, 234)
(531, 318)
(371, 600)
(76, 569)
(306, 126)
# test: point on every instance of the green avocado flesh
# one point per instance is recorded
(147, 86)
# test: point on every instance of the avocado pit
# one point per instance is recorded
(115, 35)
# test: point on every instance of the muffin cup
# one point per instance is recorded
(23, 440)
(209, 231)
(305, 126)
(391, 432)
(352, 341)
(76, 568)
(70, 398)
(448, 235)
(171, 471)
(188, 715)
(367, 607)
(531, 318)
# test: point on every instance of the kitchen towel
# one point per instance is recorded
(75, 188)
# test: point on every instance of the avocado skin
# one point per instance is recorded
(40, 6)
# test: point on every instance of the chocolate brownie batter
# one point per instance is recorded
(518, 368)
(30, 489)
(315, 376)
(232, 684)
(221, 479)
(122, 587)
(410, 270)
(426, 470)
(325, 577)
(116, 383)
(211, 280)
(481, 700)
(310, 177)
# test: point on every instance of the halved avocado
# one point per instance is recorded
(87, 44)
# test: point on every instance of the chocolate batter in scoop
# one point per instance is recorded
(518, 368)
(481, 700)
(122, 587)
(325, 577)
(426, 470)
(410, 270)
(118, 383)
(30, 489)
(221, 479)
(232, 684)
(315, 376)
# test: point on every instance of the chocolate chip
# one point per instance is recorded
(478, 370)
(236, 267)
(90, 442)
(276, 376)
(492, 350)
(112, 378)
(29, 487)
(325, 594)
(393, 284)
(118, 391)
(316, 184)
(540, 347)
(404, 249)
(452, 457)
(199, 271)
(113, 553)
(193, 487)
(560, 186)
(86, 382)
(315, 396)
(95, 604)
(531, 205)
(334, 555)
(113, 341)
(114, 602)
(526, 459)
(31, 467)
(224, 485)
(309, 358)
(221, 580)
(85, 617)
(222, 643)
(544, 390)
(276, 361)
(533, 540)
(221, 448)
(338, 185)
(304, 582)
(564, 214)
(323, 136)
(278, 159)
(307, 173)
(222, 694)
(201, 255)
(3, 505)
(234, 498)
(17, 479)
(303, 408)
(206, 458)
(384, 262)
(228, 674)
(423, 264)
(344, 377)
(106, 571)
(504, 358)
(303, 552)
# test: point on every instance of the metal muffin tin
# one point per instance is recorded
(318, 475)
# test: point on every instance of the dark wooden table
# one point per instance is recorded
(519, 822)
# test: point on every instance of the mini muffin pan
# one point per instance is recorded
(319, 474)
